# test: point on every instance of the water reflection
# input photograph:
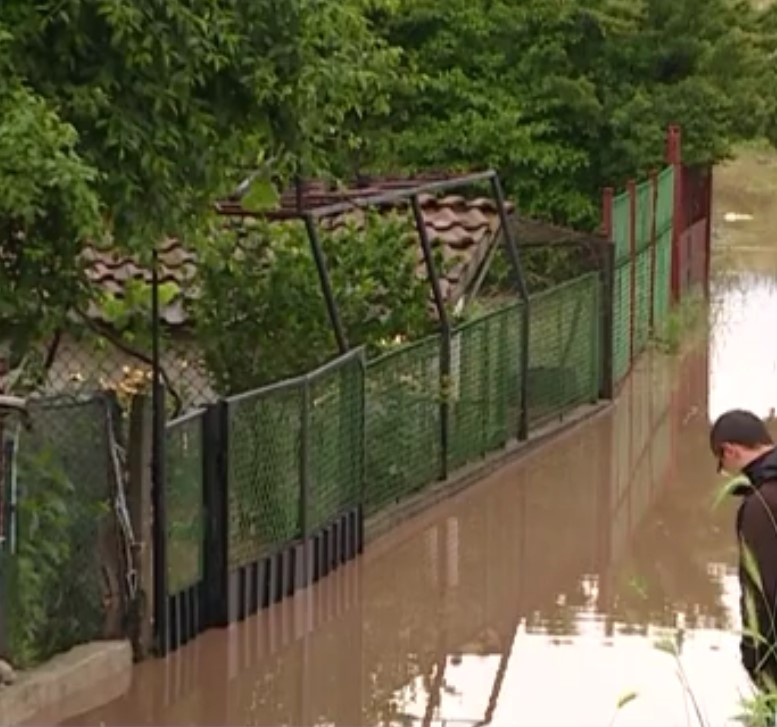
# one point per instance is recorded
(743, 347)
(505, 603)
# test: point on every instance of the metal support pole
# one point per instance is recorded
(326, 284)
(708, 200)
(515, 260)
(674, 157)
(632, 190)
(445, 332)
(653, 244)
(215, 606)
(159, 522)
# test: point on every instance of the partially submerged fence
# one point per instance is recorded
(287, 472)
(660, 231)
(476, 570)
(262, 493)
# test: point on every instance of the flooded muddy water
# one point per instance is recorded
(538, 597)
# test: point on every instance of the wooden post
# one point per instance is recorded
(141, 514)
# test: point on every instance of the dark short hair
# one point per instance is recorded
(739, 427)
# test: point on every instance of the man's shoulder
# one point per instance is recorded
(760, 503)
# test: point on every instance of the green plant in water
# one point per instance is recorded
(682, 322)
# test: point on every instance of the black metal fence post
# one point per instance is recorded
(515, 260)
(445, 336)
(159, 521)
(326, 284)
(215, 594)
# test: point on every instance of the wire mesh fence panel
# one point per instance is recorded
(621, 316)
(402, 439)
(484, 393)
(564, 365)
(665, 200)
(644, 214)
(62, 572)
(642, 265)
(184, 493)
(620, 227)
(336, 430)
(664, 217)
(265, 429)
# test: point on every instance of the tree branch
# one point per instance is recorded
(113, 339)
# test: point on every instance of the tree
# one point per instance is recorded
(123, 121)
(566, 97)
(171, 98)
(47, 206)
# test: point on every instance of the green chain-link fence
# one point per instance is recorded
(564, 348)
(647, 268)
(485, 383)
(402, 438)
(620, 227)
(336, 445)
(643, 264)
(663, 272)
(265, 431)
(305, 432)
(59, 563)
(185, 514)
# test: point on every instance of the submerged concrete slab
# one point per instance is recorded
(79, 680)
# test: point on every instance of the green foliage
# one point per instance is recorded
(130, 312)
(260, 312)
(41, 622)
(685, 320)
(171, 98)
(564, 97)
(47, 205)
(126, 119)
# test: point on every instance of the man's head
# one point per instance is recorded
(737, 438)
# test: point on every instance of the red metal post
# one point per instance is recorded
(708, 233)
(674, 157)
(632, 190)
(608, 195)
(653, 240)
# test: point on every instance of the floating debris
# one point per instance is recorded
(737, 217)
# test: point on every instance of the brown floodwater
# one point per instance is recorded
(537, 597)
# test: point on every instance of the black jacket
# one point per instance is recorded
(757, 530)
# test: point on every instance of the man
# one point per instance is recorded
(741, 443)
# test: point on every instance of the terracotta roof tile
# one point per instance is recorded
(463, 229)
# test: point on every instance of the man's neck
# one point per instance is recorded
(759, 451)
